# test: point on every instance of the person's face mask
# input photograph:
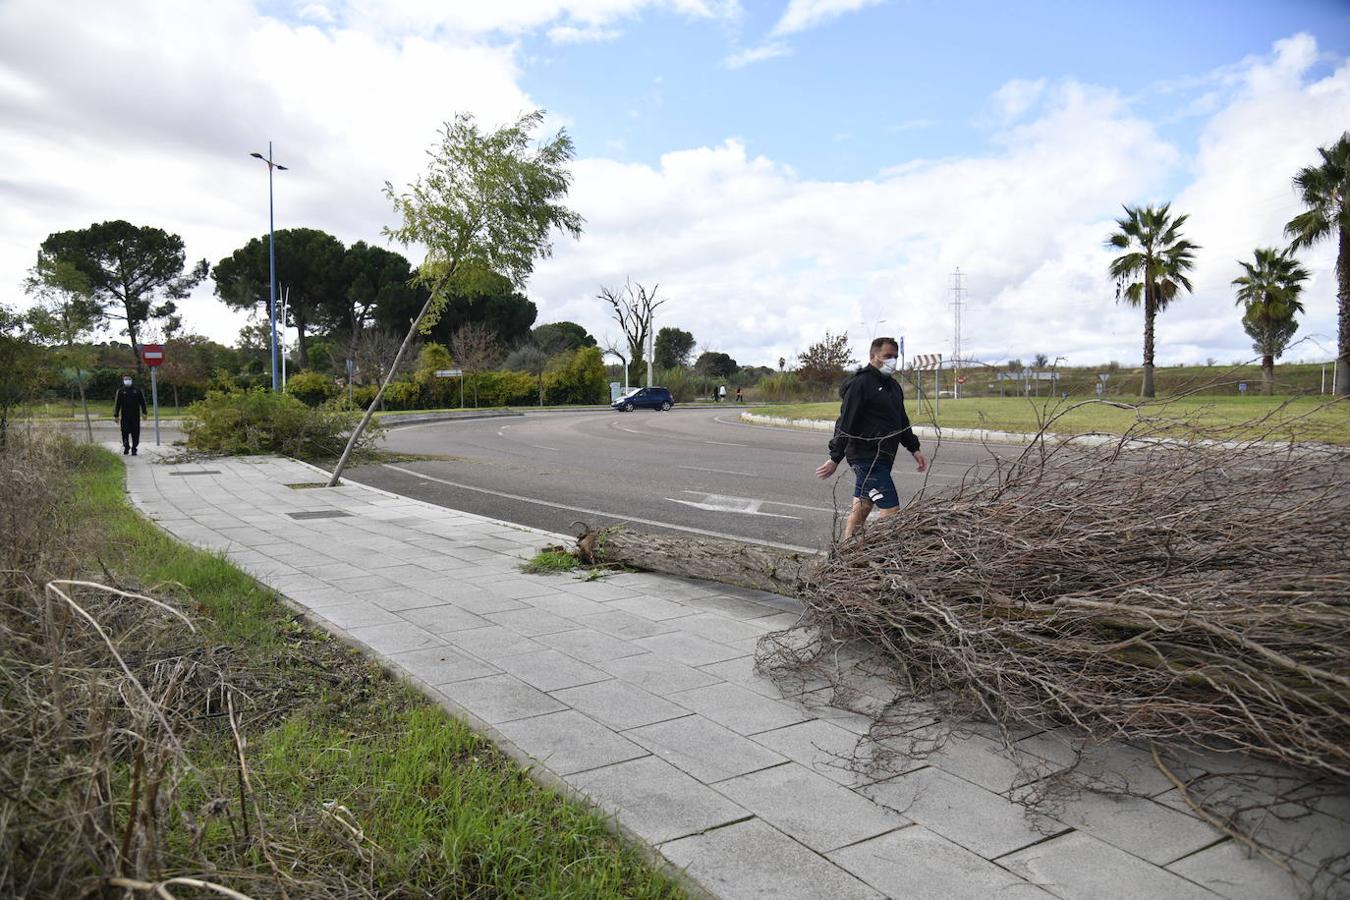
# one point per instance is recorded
(887, 366)
(126, 382)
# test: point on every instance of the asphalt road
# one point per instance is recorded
(688, 470)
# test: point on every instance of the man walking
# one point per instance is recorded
(871, 428)
(128, 409)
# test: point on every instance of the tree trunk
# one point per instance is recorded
(384, 383)
(1149, 314)
(1343, 312)
(300, 350)
(1267, 375)
(84, 405)
(722, 560)
(132, 334)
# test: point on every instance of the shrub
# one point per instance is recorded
(577, 376)
(243, 423)
(311, 388)
(507, 389)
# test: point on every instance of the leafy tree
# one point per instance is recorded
(1040, 361)
(1325, 190)
(489, 203)
(1015, 365)
(715, 365)
(555, 337)
(1269, 294)
(1159, 257)
(373, 278)
(475, 350)
(136, 273)
(309, 269)
(65, 316)
(485, 299)
(673, 348)
(531, 359)
(826, 360)
(189, 360)
(21, 367)
(633, 308)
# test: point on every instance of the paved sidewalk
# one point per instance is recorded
(638, 691)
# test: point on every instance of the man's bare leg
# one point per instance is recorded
(857, 516)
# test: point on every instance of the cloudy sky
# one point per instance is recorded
(780, 167)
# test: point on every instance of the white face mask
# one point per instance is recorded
(887, 367)
(126, 382)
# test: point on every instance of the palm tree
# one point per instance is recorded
(1159, 257)
(1325, 190)
(1269, 291)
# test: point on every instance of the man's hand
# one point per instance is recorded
(827, 469)
(923, 463)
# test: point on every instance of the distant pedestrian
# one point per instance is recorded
(128, 409)
(740, 398)
(722, 394)
(871, 429)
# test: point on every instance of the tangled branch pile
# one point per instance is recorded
(1192, 594)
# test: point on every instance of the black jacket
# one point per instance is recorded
(128, 398)
(872, 421)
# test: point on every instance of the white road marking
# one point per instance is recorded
(542, 447)
(718, 471)
(724, 443)
(600, 512)
(753, 509)
(721, 498)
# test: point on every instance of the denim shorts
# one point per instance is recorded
(874, 483)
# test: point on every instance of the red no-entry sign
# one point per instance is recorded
(152, 354)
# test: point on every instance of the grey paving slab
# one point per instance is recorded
(988, 763)
(395, 638)
(473, 599)
(738, 708)
(400, 598)
(657, 609)
(657, 800)
(917, 864)
(590, 646)
(688, 648)
(501, 698)
(1077, 866)
(752, 859)
(1232, 871)
(658, 674)
(567, 605)
(532, 622)
(619, 705)
(1137, 825)
(741, 670)
(983, 822)
(438, 666)
(722, 629)
(625, 625)
(597, 590)
(353, 615)
(704, 749)
(518, 588)
(829, 750)
(733, 607)
(493, 642)
(820, 813)
(443, 618)
(568, 742)
(550, 670)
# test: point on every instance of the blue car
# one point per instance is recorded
(645, 398)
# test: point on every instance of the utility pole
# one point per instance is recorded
(272, 260)
(651, 345)
(958, 302)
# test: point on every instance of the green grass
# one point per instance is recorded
(1311, 418)
(440, 811)
(550, 561)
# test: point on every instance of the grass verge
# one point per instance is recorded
(361, 785)
(1304, 418)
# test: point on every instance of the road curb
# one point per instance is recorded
(923, 431)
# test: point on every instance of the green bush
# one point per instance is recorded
(507, 389)
(311, 388)
(256, 421)
(402, 395)
(577, 376)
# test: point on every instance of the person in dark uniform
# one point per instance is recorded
(128, 409)
(871, 429)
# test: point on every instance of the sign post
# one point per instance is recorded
(454, 373)
(152, 355)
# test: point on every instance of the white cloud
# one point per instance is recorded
(756, 54)
(568, 34)
(801, 15)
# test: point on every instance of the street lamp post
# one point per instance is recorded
(271, 261)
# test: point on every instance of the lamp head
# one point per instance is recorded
(257, 156)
